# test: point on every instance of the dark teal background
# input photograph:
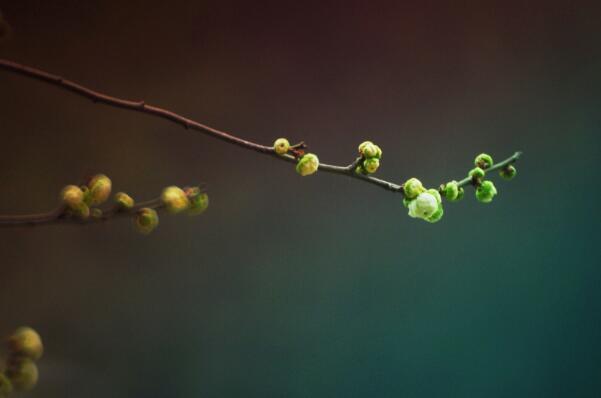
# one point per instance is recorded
(319, 286)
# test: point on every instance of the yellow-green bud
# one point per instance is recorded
(281, 146)
(175, 199)
(424, 206)
(437, 215)
(124, 201)
(100, 189)
(22, 372)
(307, 164)
(146, 220)
(72, 196)
(371, 165)
(368, 150)
(486, 192)
(477, 173)
(451, 191)
(406, 202)
(6, 387)
(198, 204)
(508, 172)
(25, 341)
(413, 187)
(360, 170)
(484, 161)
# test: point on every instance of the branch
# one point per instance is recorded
(294, 154)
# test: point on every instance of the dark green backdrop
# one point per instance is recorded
(319, 286)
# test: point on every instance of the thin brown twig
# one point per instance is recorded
(143, 107)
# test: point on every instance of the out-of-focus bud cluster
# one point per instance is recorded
(24, 348)
(82, 202)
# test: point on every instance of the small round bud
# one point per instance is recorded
(476, 173)
(424, 206)
(368, 150)
(100, 189)
(146, 220)
(25, 341)
(437, 215)
(508, 172)
(281, 146)
(124, 201)
(413, 187)
(175, 199)
(371, 165)
(6, 387)
(486, 192)
(307, 164)
(198, 204)
(72, 196)
(451, 191)
(22, 372)
(484, 161)
(360, 170)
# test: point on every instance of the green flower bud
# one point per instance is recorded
(460, 194)
(424, 206)
(413, 187)
(146, 220)
(100, 189)
(436, 194)
(124, 201)
(371, 165)
(508, 172)
(476, 173)
(6, 387)
(486, 192)
(369, 150)
(307, 164)
(198, 204)
(484, 161)
(437, 215)
(175, 199)
(281, 146)
(22, 372)
(360, 170)
(72, 196)
(26, 342)
(451, 191)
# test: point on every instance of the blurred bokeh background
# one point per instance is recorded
(318, 286)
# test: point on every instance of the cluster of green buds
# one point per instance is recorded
(485, 189)
(21, 372)
(370, 155)
(422, 203)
